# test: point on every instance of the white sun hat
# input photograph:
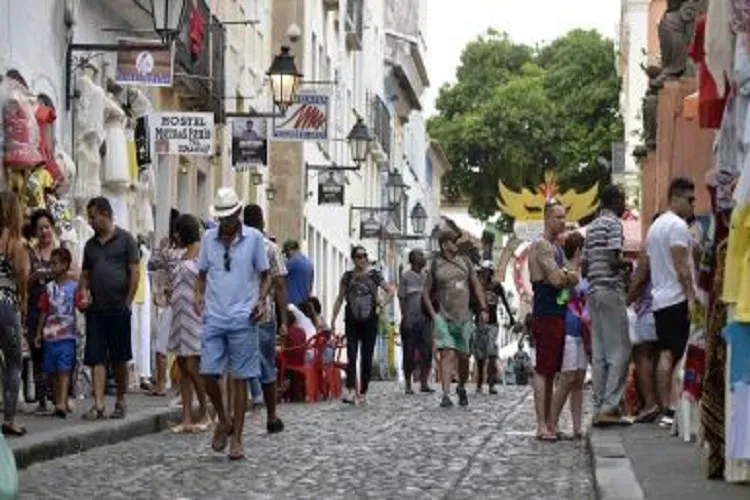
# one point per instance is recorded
(226, 203)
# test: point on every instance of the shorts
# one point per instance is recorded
(59, 356)
(574, 355)
(267, 347)
(230, 347)
(108, 336)
(454, 335)
(484, 342)
(642, 328)
(673, 329)
(549, 339)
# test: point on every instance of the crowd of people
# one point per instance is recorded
(594, 305)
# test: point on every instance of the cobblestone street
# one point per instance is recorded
(396, 447)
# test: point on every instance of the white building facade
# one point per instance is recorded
(633, 43)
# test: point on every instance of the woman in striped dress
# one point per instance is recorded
(186, 329)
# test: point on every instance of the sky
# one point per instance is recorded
(452, 24)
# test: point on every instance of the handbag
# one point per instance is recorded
(8, 472)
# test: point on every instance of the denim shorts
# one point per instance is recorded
(59, 356)
(230, 347)
(267, 345)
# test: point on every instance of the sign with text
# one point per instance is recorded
(370, 228)
(150, 68)
(249, 142)
(182, 133)
(305, 120)
(330, 191)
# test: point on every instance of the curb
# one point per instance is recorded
(48, 445)
(614, 478)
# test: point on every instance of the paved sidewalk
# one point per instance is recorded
(644, 461)
(50, 437)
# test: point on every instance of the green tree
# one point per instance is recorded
(517, 110)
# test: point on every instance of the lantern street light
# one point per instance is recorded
(168, 16)
(360, 141)
(435, 240)
(395, 187)
(285, 79)
(418, 218)
(256, 178)
(270, 193)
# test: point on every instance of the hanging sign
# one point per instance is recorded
(178, 133)
(249, 142)
(330, 192)
(305, 120)
(370, 228)
(150, 68)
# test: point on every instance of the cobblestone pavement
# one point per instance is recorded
(396, 447)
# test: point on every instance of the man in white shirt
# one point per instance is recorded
(669, 251)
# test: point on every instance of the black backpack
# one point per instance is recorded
(361, 296)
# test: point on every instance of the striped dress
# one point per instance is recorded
(187, 328)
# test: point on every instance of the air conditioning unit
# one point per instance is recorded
(331, 5)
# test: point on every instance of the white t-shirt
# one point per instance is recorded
(667, 231)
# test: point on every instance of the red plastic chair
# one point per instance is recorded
(332, 371)
(312, 367)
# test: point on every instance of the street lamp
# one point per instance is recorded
(256, 178)
(360, 141)
(270, 193)
(285, 79)
(418, 218)
(168, 18)
(395, 187)
(435, 240)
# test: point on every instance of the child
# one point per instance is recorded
(57, 325)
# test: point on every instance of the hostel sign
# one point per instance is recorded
(305, 120)
(178, 133)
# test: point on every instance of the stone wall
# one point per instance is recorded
(682, 149)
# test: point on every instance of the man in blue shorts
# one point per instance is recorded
(233, 282)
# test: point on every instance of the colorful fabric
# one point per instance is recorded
(737, 336)
(737, 248)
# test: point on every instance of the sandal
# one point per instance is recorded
(94, 413)
(182, 429)
(60, 413)
(13, 429)
(547, 438)
(221, 437)
(155, 393)
(236, 451)
(561, 436)
(119, 412)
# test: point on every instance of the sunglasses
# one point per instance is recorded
(227, 260)
(360, 256)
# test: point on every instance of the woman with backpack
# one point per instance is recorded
(358, 288)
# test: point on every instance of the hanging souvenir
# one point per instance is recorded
(115, 173)
(21, 133)
(142, 142)
(45, 118)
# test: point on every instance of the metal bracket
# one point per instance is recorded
(253, 114)
(332, 168)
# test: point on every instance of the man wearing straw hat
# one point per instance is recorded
(233, 282)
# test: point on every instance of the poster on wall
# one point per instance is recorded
(149, 68)
(305, 120)
(182, 133)
(249, 142)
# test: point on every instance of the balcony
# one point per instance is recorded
(380, 125)
(199, 70)
(407, 71)
(355, 13)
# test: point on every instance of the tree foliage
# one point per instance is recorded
(517, 110)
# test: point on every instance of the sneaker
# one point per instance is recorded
(479, 390)
(647, 416)
(446, 402)
(409, 391)
(463, 398)
(426, 389)
(493, 391)
(275, 426)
